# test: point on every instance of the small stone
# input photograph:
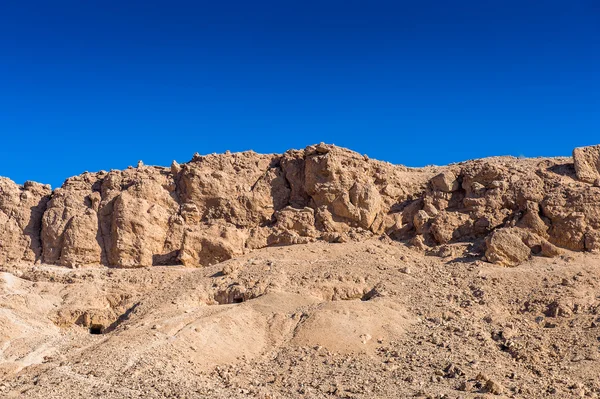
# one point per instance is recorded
(466, 386)
(364, 338)
(493, 387)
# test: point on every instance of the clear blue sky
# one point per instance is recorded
(91, 85)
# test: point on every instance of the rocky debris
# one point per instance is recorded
(363, 319)
(219, 206)
(587, 163)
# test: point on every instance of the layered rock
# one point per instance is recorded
(222, 205)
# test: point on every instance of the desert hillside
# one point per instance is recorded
(310, 274)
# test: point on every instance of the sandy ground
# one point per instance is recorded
(373, 319)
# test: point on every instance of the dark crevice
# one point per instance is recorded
(259, 179)
(35, 227)
(105, 215)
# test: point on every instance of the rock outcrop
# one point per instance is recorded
(219, 206)
(21, 209)
(587, 164)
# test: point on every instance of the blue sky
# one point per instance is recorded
(91, 85)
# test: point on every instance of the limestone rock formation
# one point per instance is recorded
(219, 206)
(587, 163)
(21, 210)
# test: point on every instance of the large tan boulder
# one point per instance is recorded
(505, 247)
(446, 182)
(587, 163)
(512, 246)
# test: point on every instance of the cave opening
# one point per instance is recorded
(96, 329)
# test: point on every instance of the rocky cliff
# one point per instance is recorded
(218, 206)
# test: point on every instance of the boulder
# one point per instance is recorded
(506, 248)
(587, 163)
(512, 246)
(445, 182)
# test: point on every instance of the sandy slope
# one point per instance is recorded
(368, 319)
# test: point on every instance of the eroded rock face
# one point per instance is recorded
(210, 244)
(219, 206)
(587, 164)
(21, 209)
(143, 224)
(70, 223)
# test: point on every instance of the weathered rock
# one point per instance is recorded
(220, 205)
(532, 220)
(587, 163)
(80, 240)
(21, 209)
(241, 188)
(592, 241)
(342, 185)
(449, 226)
(445, 182)
(505, 247)
(139, 231)
(293, 226)
(420, 221)
(573, 211)
(512, 246)
(207, 245)
(70, 223)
